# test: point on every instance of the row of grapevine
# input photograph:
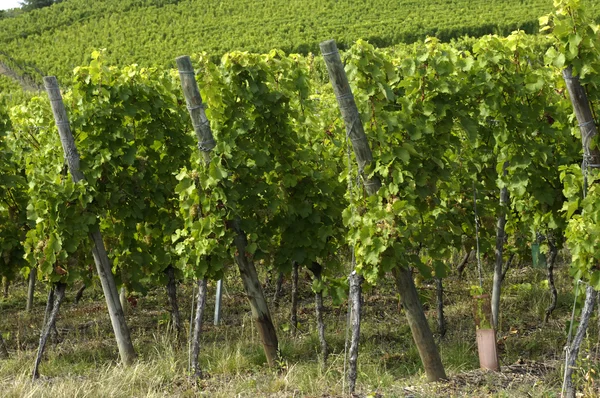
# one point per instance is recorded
(269, 185)
(58, 38)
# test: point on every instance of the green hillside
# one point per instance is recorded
(147, 32)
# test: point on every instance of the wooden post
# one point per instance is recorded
(441, 319)
(123, 299)
(256, 297)
(355, 296)
(103, 265)
(49, 304)
(49, 324)
(79, 294)
(206, 142)
(422, 335)
(200, 304)
(408, 293)
(321, 327)
(349, 111)
(583, 113)
(31, 289)
(294, 309)
(172, 296)
(195, 106)
(500, 236)
(591, 159)
(317, 271)
(550, 275)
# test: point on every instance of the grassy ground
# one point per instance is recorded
(85, 361)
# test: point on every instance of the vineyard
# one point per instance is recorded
(406, 191)
(54, 40)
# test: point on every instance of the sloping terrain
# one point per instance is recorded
(153, 32)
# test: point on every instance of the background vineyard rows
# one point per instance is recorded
(54, 40)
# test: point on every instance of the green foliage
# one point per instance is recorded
(269, 168)
(130, 135)
(443, 120)
(154, 32)
(576, 41)
(13, 202)
(575, 37)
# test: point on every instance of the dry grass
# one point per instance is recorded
(85, 361)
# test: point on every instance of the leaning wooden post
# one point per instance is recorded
(591, 159)
(499, 251)
(49, 325)
(408, 293)
(252, 286)
(360, 144)
(101, 259)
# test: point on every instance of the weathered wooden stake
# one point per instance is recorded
(591, 159)
(355, 297)
(103, 265)
(123, 299)
(499, 251)
(364, 157)
(49, 324)
(585, 118)
(317, 270)
(258, 304)
(360, 145)
(422, 335)
(550, 274)
(48, 312)
(294, 309)
(79, 294)
(31, 289)
(206, 142)
(176, 324)
(200, 304)
(49, 304)
(441, 319)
